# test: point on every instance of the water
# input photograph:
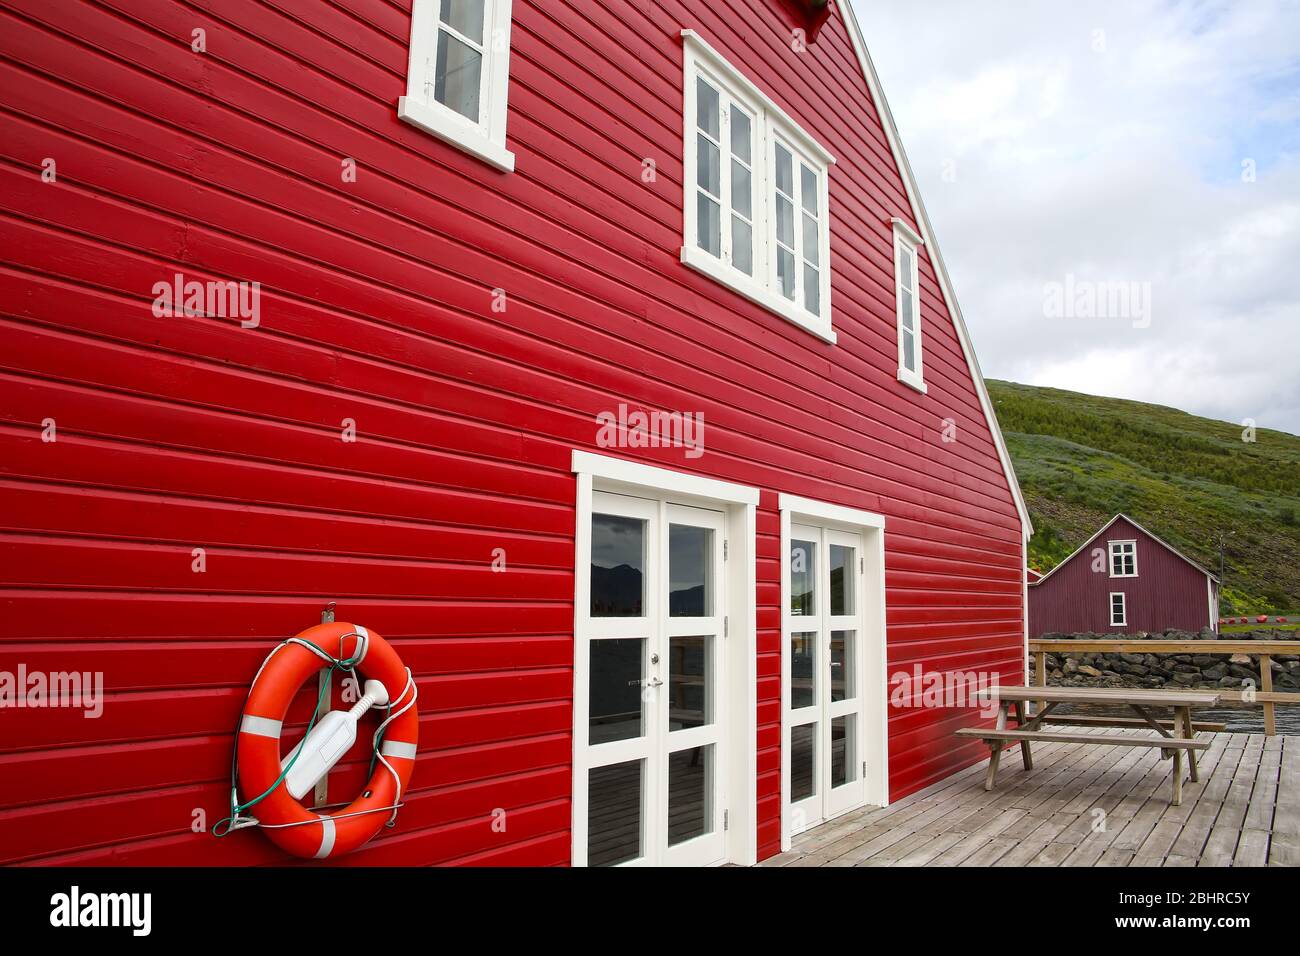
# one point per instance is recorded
(1239, 720)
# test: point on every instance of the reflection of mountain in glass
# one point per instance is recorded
(616, 592)
(687, 602)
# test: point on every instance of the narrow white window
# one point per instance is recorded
(458, 75)
(1123, 559)
(908, 304)
(755, 215)
(1118, 609)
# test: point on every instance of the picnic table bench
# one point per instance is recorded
(1176, 736)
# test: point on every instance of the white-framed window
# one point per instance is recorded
(458, 75)
(755, 214)
(907, 304)
(1118, 609)
(1123, 559)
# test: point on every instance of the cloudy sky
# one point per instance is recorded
(1147, 146)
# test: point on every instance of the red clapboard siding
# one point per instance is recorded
(376, 309)
(1169, 591)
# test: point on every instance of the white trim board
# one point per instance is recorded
(825, 511)
(936, 258)
(625, 472)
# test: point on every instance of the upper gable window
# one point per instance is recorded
(459, 74)
(908, 305)
(1123, 559)
(756, 190)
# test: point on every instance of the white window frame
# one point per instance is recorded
(1115, 550)
(485, 139)
(873, 666)
(905, 237)
(601, 473)
(770, 123)
(1123, 609)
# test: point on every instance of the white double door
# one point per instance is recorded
(824, 707)
(651, 731)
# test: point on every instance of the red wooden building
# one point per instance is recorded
(579, 349)
(1123, 580)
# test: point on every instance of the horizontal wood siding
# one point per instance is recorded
(1168, 591)
(377, 307)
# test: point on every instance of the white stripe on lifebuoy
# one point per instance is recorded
(326, 837)
(365, 642)
(397, 748)
(260, 726)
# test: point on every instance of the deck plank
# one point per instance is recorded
(1083, 805)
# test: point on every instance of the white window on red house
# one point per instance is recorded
(1123, 559)
(1118, 609)
(458, 75)
(908, 304)
(756, 192)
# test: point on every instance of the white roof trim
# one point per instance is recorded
(945, 284)
(1102, 530)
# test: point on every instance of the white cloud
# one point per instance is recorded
(1106, 141)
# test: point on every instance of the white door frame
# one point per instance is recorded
(737, 659)
(871, 645)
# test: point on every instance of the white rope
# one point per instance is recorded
(238, 822)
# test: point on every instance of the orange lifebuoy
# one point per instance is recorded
(288, 823)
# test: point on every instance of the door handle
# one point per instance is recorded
(648, 682)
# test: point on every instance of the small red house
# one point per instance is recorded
(597, 355)
(1123, 580)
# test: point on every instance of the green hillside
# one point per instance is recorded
(1081, 458)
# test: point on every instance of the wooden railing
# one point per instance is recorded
(1263, 650)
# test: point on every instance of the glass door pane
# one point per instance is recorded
(843, 661)
(617, 677)
(618, 565)
(690, 794)
(803, 577)
(615, 813)
(803, 762)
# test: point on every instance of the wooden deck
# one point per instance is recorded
(1083, 806)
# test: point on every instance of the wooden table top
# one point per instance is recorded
(1110, 695)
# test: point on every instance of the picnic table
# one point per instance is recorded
(1176, 735)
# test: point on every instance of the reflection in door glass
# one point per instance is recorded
(614, 813)
(844, 764)
(841, 579)
(803, 741)
(617, 566)
(803, 670)
(690, 553)
(617, 668)
(842, 651)
(690, 794)
(690, 701)
(803, 572)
